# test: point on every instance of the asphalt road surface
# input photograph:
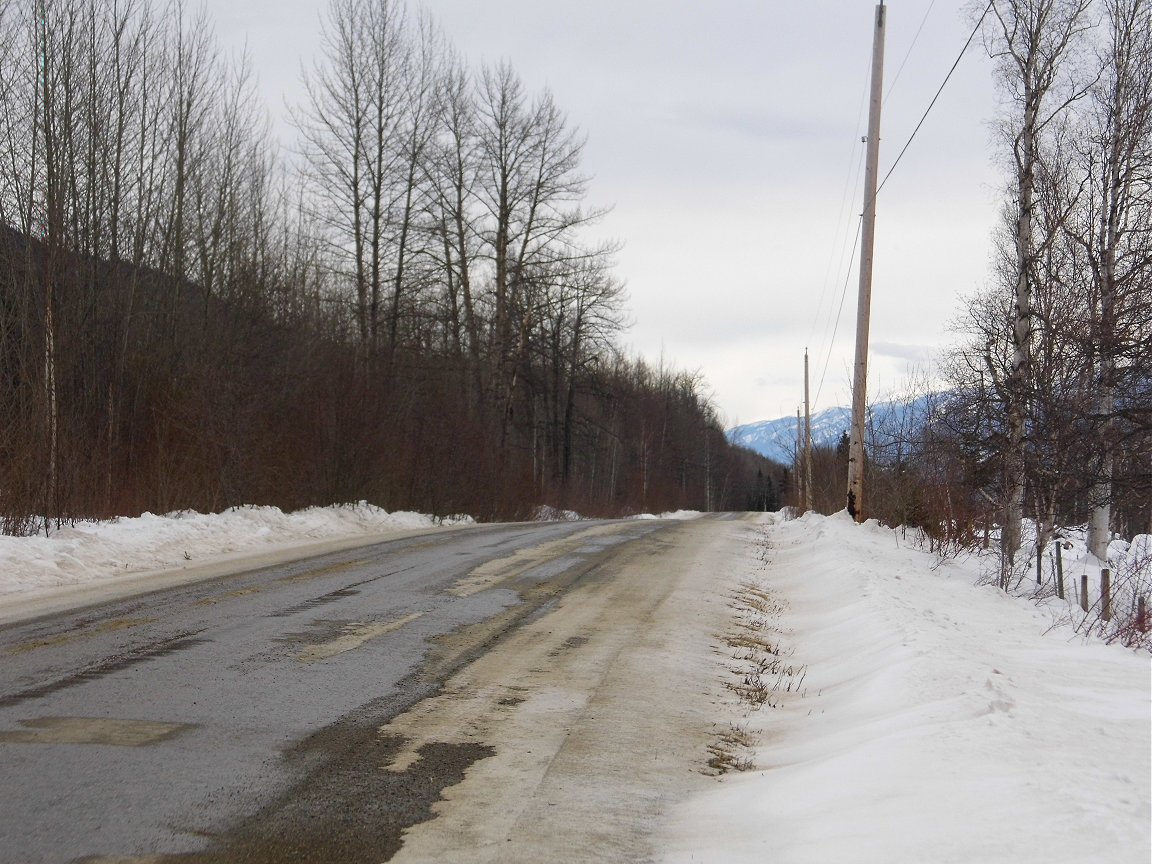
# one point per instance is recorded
(494, 693)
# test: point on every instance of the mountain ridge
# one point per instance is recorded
(776, 439)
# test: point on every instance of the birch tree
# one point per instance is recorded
(1032, 41)
(1115, 229)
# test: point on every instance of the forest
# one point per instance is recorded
(406, 304)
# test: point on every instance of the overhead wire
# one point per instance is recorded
(911, 48)
(939, 90)
(899, 157)
(855, 160)
(836, 327)
(852, 183)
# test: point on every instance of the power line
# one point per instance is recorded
(850, 182)
(899, 157)
(843, 296)
(915, 39)
(840, 238)
(940, 90)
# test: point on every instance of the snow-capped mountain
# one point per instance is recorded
(888, 423)
(776, 439)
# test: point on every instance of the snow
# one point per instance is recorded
(548, 513)
(938, 719)
(672, 514)
(89, 552)
(912, 712)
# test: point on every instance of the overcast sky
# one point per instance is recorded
(724, 134)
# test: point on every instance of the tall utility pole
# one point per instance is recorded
(864, 306)
(807, 438)
(802, 497)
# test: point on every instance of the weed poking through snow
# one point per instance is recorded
(761, 672)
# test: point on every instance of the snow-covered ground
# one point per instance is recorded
(91, 561)
(887, 707)
(88, 553)
(912, 715)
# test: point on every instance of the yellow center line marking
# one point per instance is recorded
(299, 577)
(354, 636)
(65, 638)
(506, 569)
(92, 730)
(239, 592)
(324, 571)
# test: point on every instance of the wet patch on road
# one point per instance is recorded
(347, 807)
(109, 667)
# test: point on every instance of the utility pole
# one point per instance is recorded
(799, 466)
(864, 306)
(807, 437)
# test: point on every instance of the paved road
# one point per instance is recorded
(251, 718)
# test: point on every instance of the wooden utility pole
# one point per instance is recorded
(864, 306)
(799, 467)
(807, 437)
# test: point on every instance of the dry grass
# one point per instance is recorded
(732, 750)
(762, 672)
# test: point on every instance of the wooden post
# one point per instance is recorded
(864, 304)
(1059, 570)
(1039, 564)
(807, 438)
(800, 466)
(1084, 591)
(1141, 614)
(1106, 594)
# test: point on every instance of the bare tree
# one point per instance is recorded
(1032, 39)
(530, 189)
(1114, 228)
(357, 96)
(453, 167)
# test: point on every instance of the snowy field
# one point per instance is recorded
(912, 715)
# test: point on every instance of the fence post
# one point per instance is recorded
(1059, 570)
(1106, 594)
(1084, 591)
(1039, 564)
(1141, 615)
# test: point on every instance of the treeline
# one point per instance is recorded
(1048, 410)
(407, 310)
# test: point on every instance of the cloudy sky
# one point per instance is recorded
(724, 135)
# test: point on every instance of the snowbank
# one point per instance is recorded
(938, 720)
(93, 551)
(548, 513)
(673, 514)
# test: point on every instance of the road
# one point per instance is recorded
(495, 693)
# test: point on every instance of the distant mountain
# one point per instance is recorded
(890, 424)
(776, 439)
